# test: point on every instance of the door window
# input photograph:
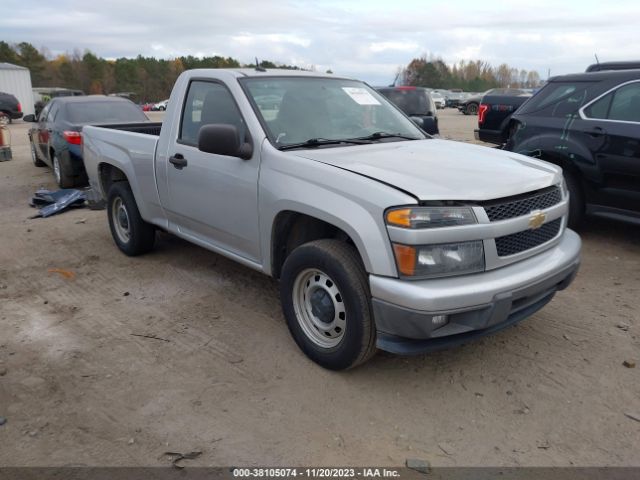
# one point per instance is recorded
(622, 104)
(600, 108)
(44, 113)
(208, 103)
(53, 112)
(626, 104)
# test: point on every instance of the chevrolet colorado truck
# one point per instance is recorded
(381, 237)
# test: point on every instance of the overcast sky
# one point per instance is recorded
(365, 39)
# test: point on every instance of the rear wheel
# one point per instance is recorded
(576, 200)
(4, 119)
(472, 109)
(34, 157)
(131, 233)
(61, 173)
(326, 301)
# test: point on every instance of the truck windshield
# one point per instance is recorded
(313, 110)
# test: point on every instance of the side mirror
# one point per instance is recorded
(29, 118)
(418, 121)
(223, 139)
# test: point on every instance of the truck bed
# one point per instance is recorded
(495, 120)
(148, 128)
(130, 148)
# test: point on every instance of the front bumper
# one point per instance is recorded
(475, 305)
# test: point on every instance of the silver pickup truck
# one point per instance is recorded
(381, 236)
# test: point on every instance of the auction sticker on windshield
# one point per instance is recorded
(361, 96)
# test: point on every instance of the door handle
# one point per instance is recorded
(597, 131)
(178, 161)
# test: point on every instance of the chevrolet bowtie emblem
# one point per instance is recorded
(536, 220)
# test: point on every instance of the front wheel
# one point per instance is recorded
(576, 200)
(131, 233)
(325, 297)
(472, 109)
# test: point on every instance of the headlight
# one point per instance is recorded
(564, 189)
(430, 217)
(440, 260)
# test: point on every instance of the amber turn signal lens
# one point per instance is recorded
(401, 218)
(406, 259)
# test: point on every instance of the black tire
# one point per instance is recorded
(472, 109)
(341, 263)
(576, 200)
(141, 235)
(34, 156)
(61, 172)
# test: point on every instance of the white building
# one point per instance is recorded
(17, 81)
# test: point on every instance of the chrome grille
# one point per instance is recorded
(517, 207)
(527, 239)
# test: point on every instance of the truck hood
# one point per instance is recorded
(441, 169)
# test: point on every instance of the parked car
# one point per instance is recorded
(471, 105)
(454, 99)
(416, 102)
(42, 95)
(380, 236)
(160, 106)
(438, 99)
(589, 124)
(494, 116)
(10, 108)
(56, 140)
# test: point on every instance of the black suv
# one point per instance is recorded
(9, 107)
(416, 103)
(589, 124)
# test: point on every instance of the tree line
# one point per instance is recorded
(470, 76)
(151, 79)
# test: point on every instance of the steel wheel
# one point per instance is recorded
(120, 217)
(319, 308)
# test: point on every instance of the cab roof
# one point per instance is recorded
(269, 72)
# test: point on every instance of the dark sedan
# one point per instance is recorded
(56, 141)
(10, 108)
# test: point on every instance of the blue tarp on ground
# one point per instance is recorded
(51, 202)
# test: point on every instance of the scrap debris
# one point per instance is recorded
(68, 274)
(149, 336)
(177, 457)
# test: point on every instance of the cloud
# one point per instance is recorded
(366, 39)
(397, 46)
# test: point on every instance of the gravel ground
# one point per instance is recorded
(82, 382)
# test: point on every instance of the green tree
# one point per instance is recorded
(8, 54)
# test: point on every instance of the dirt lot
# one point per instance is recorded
(80, 385)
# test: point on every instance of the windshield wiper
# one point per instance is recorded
(380, 135)
(317, 142)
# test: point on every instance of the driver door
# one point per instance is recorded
(213, 198)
